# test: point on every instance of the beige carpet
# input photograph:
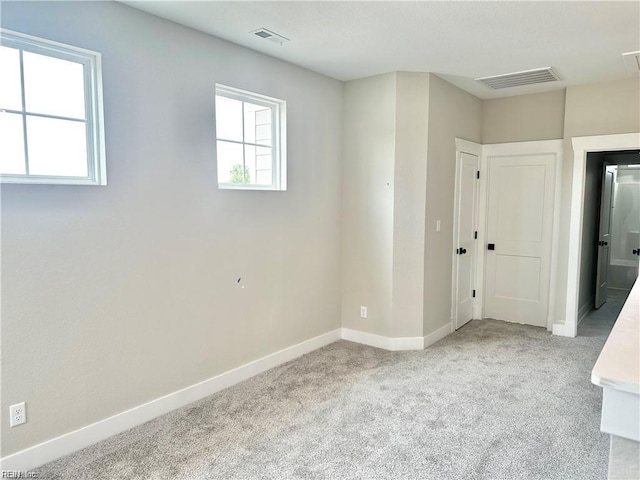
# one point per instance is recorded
(489, 401)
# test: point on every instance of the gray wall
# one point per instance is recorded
(391, 251)
(452, 113)
(596, 109)
(412, 127)
(367, 202)
(538, 116)
(114, 296)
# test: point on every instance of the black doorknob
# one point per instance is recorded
(463, 251)
(636, 251)
(491, 246)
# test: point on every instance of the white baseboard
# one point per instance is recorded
(397, 343)
(53, 449)
(379, 341)
(584, 310)
(439, 334)
(564, 329)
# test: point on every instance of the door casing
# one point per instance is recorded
(568, 326)
(514, 149)
(475, 149)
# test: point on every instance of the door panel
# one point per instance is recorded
(519, 224)
(604, 239)
(521, 220)
(466, 204)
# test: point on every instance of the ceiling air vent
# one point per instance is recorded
(517, 79)
(269, 35)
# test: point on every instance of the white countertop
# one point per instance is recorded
(618, 366)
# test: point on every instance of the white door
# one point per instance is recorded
(465, 249)
(519, 237)
(604, 239)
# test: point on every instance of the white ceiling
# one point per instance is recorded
(458, 41)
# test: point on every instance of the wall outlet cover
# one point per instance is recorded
(17, 414)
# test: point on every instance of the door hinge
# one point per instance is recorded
(474, 294)
(475, 235)
(478, 174)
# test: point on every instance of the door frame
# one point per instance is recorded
(516, 149)
(471, 148)
(581, 147)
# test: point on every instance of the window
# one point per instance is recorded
(50, 112)
(250, 133)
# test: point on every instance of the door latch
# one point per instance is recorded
(491, 246)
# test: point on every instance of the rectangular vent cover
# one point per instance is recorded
(269, 35)
(517, 79)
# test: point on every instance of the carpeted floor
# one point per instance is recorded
(488, 401)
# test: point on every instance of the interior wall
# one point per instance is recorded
(368, 202)
(410, 178)
(452, 113)
(113, 296)
(590, 231)
(521, 118)
(597, 109)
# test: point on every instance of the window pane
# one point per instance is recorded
(257, 124)
(230, 166)
(10, 90)
(228, 119)
(261, 166)
(263, 158)
(53, 86)
(11, 144)
(250, 162)
(264, 177)
(57, 147)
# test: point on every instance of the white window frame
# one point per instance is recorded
(94, 110)
(278, 136)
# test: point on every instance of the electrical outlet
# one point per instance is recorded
(363, 312)
(17, 414)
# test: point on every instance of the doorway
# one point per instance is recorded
(465, 232)
(581, 147)
(515, 232)
(611, 236)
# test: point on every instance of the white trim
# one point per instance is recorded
(68, 443)
(475, 149)
(438, 335)
(396, 344)
(581, 147)
(562, 329)
(94, 108)
(55, 448)
(379, 341)
(278, 136)
(467, 146)
(521, 148)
